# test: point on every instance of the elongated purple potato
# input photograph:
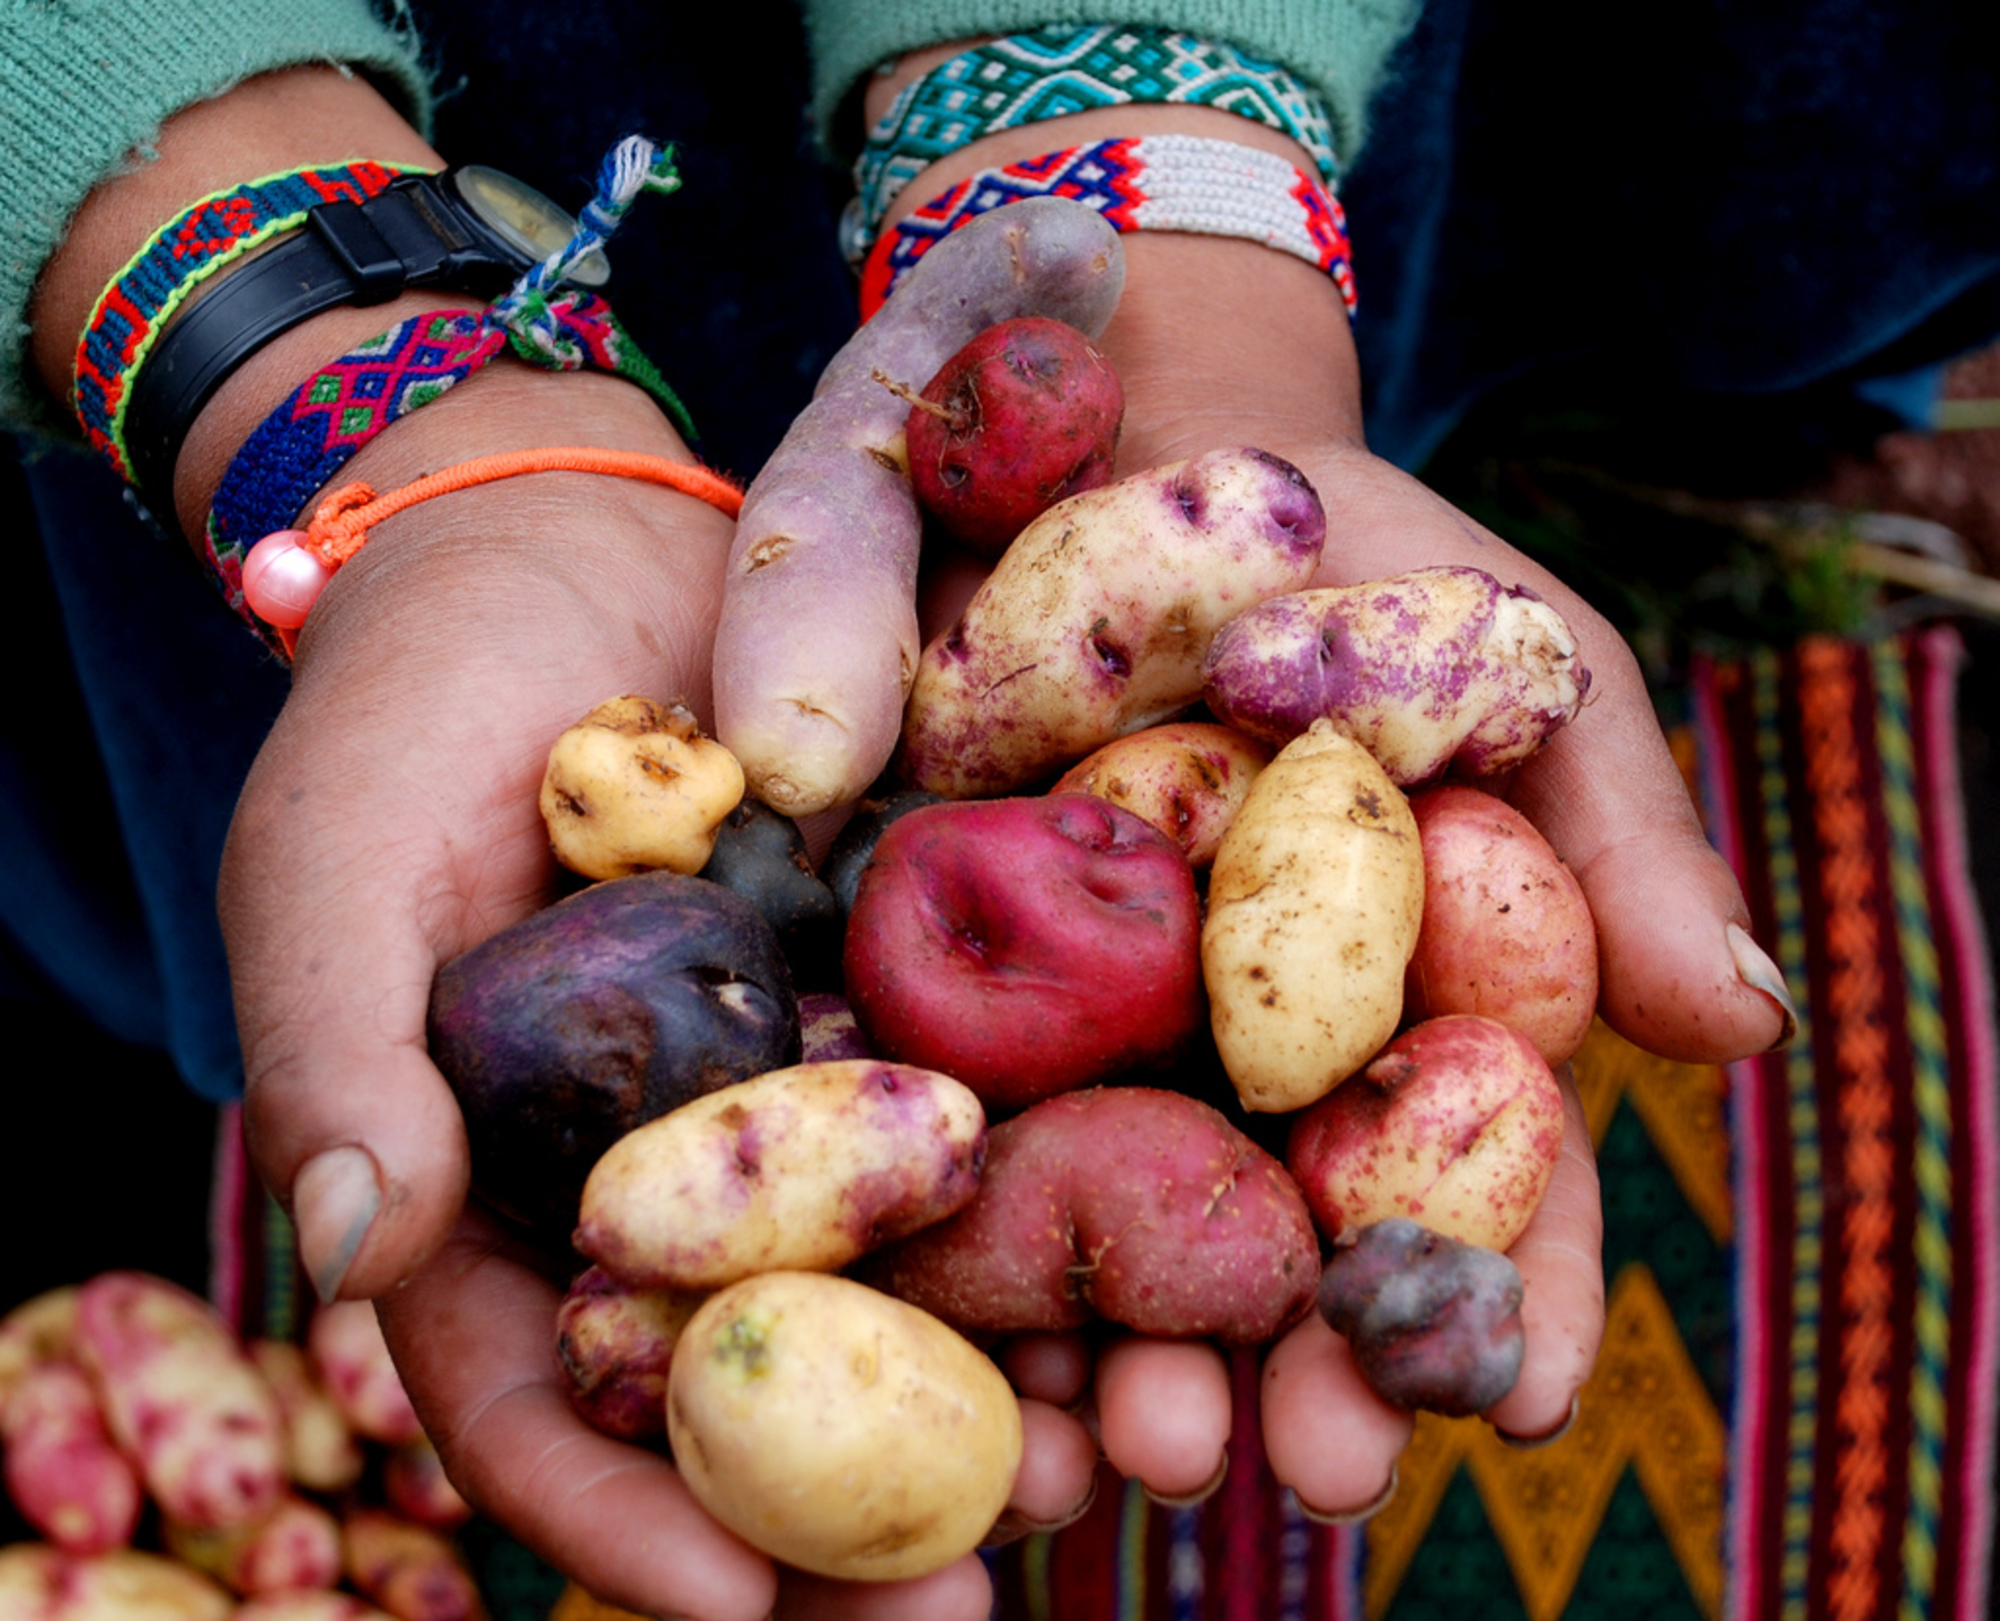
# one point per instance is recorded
(1440, 667)
(818, 641)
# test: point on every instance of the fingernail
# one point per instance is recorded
(1200, 1494)
(1757, 971)
(1012, 1526)
(335, 1200)
(1528, 1443)
(1354, 1516)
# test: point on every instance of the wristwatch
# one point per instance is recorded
(469, 228)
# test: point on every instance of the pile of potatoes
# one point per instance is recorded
(174, 1472)
(1155, 964)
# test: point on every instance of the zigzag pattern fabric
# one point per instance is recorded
(1049, 72)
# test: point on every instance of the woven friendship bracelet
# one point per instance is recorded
(296, 450)
(1049, 72)
(1147, 183)
(178, 257)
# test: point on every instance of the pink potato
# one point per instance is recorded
(182, 1399)
(1188, 778)
(1139, 1206)
(63, 1471)
(415, 1485)
(345, 1345)
(1026, 946)
(1023, 416)
(1438, 668)
(413, 1572)
(1456, 1124)
(296, 1545)
(322, 1452)
(1506, 930)
(617, 1346)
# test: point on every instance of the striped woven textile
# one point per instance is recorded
(1793, 1414)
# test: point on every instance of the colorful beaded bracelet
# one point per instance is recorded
(1048, 72)
(1149, 183)
(176, 259)
(296, 450)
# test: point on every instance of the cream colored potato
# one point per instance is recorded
(839, 1430)
(634, 787)
(803, 1168)
(122, 1585)
(1314, 903)
(1188, 778)
(1096, 620)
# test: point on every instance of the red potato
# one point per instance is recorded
(1143, 1207)
(415, 1486)
(617, 1345)
(818, 641)
(1096, 620)
(322, 1453)
(1457, 1125)
(1026, 946)
(1506, 930)
(182, 1399)
(1025, 415)
(345, 1345)
(1188, 778)
(1437, 668)
(296, 1545)
(40, 1583)
(63, 1471)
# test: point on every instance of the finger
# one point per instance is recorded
(1058, 1474)
(1163, 1411)
(1679, 974)
(1054, 1368)
(1560, 1257)
(959, 1592)
(472, 1332)
(1327, 1435)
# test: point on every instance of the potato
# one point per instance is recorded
(1026, 946)
(635, 786)
(1140, 1206)
(616, 1344)
(415, 1485)
(1025, 415)
(1096, 621)
(320, 1606)
(1507, 932)
(1432, 1322)
(182, 1399)
(827, 1029)
(583, 1020)
(1457, 1124)
(817, 638)
(1188, 778)
(413, 1572)
(351, 1360)
(1438, 667)
(122, 1584)
(40, 1329)
(322, 1453)
(1314, 902)
(805, 1168)
(63, 1471)
(839, 1430)
(296, 1545)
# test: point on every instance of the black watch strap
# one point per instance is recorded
(347, 253)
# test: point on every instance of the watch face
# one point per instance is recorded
(526, 219)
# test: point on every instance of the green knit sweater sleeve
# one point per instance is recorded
(86, 84)
(1339, 46)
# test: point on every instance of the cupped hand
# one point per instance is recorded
(389, 823)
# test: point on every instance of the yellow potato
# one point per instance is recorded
(839, 1430)
(1314, 903)
(634, 786)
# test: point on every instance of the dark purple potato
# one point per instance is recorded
(1432, 1322)
(761, 855)
(854, 845)
(589, 1018)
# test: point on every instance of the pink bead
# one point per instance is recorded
(282, 580)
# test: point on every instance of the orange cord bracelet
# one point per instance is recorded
(285, 572)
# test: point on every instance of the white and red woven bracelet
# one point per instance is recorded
(1141, 183)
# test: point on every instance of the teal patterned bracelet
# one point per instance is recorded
(1050, 71)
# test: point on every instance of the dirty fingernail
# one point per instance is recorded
(335, 1200)
(1757, 971)
(1354, 1516)
(1528, 1443)
(1014, 1525)
(1200, 1494)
